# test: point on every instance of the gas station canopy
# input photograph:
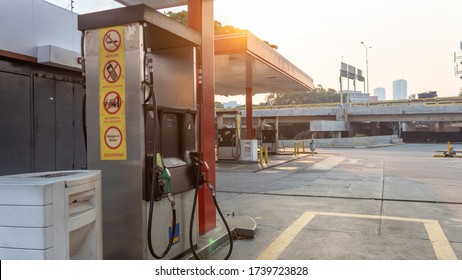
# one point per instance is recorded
(244, 61)
(155, 4)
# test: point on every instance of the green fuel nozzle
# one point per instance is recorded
(164, 178)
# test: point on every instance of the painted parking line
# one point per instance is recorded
(275, 249)
(223, 168)
(286, 168)
(440, 243)
(239, 166)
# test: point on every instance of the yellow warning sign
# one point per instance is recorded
(112, 94)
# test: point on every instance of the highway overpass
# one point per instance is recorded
(442, 109)
(377, 118)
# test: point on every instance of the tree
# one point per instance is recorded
(219, 29)
(317, 95)
(218, 105)
(182, 17)
(460, 92)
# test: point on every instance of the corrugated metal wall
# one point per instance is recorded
(41, 125)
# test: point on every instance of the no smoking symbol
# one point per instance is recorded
(111, 40)
(112, 102)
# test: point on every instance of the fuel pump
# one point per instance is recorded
(141, 83)
(141, 127)
(229, 135)
(269, 129)
(157, 175)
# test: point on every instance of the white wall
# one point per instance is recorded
(27, 24)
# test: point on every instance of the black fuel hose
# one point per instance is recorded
(154, 186)
(230, 235)
(172, 236)
(84, 87)
(152, 96)
(238, 147)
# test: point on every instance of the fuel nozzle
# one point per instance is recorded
(204, 177)
(205, 173)
(164, 179)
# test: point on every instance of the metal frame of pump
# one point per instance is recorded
(229, 136)
(269, 134)
(160, 178)
(156, 171)
(160, 182)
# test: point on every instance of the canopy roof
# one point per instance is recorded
(244, 61)
(155, 4)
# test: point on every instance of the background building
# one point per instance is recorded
(399, 89)
(380, 93)
(230, 104)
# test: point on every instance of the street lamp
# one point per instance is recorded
(367, 66)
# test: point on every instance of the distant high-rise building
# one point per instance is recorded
(380, 93)
(399, 89)
(230, 104)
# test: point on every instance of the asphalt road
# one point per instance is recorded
(389, 203)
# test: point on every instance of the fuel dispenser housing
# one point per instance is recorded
(120, 124)
(228, 135)
(269, 134)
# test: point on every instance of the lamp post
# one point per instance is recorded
(340, 79)
(367, 66)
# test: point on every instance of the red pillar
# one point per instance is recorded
(248, 113)
(200, 18)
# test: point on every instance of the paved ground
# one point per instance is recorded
(388, 203)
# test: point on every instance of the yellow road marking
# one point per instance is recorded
(273, 251)
(362, 216)
(440, 243)
(234, 167)
(288, 168)
(239, 166)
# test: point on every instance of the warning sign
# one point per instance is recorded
(111, 40)
(112, 102)
(112, 118)
(113, 137)
(112, 71)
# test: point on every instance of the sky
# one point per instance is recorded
(413, 40)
